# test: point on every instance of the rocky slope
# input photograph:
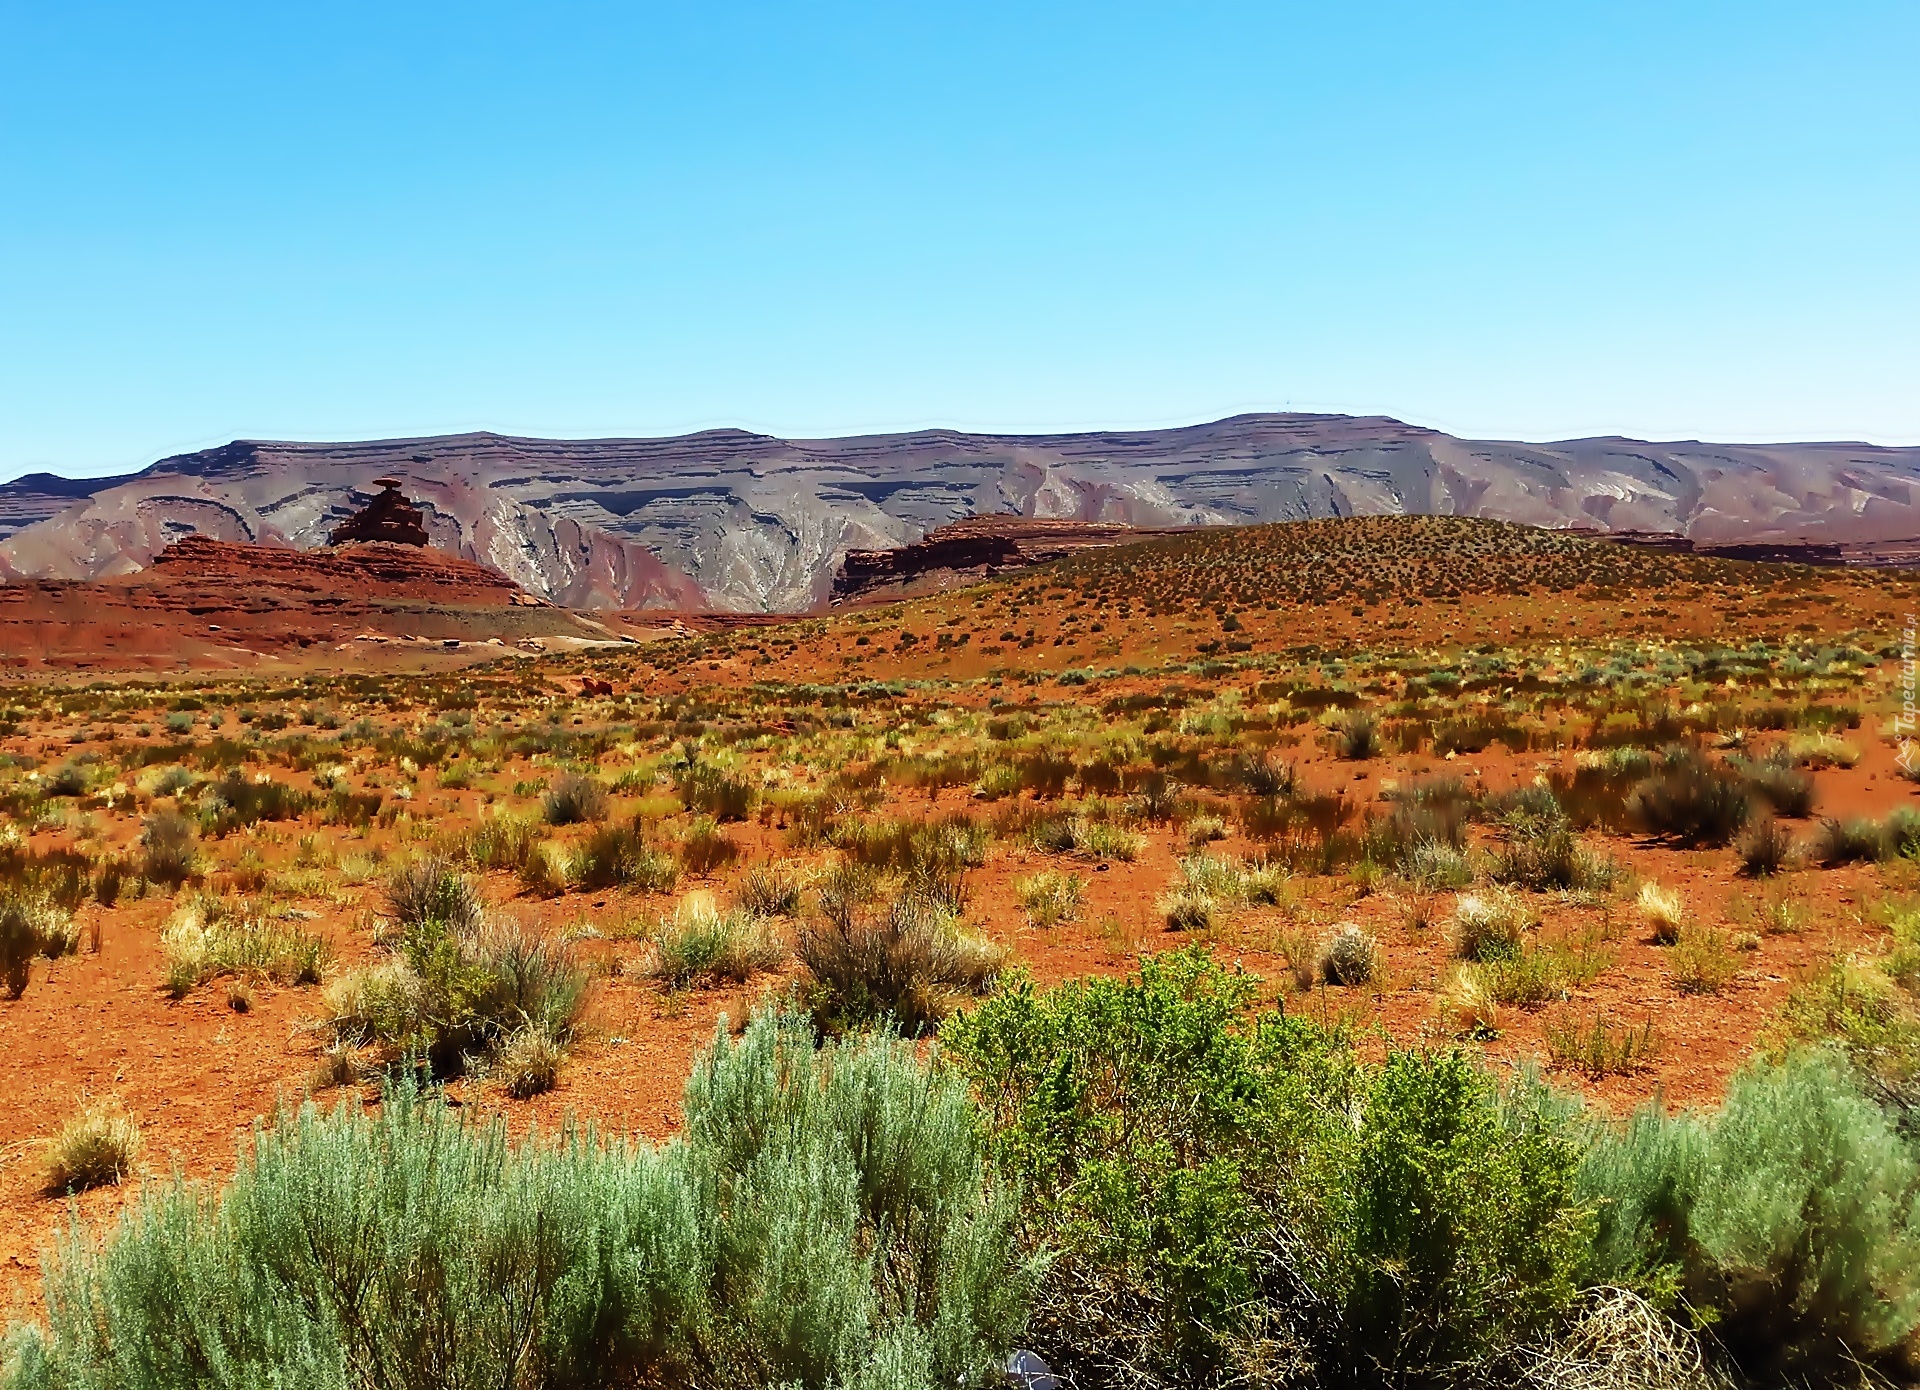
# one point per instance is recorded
(749, 523)
(972, 549)
(206, 602)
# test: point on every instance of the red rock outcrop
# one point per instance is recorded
(207, 602)
(974, 548)
(388, 517)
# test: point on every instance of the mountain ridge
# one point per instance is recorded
(735, 520)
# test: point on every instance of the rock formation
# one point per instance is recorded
(388, 517)
(975, 548)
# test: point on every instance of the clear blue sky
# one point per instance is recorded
(1534, 220)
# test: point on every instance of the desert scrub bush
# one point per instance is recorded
(1542, 853)
(1356, 736)
(210, 937)
(620, 856)
(167, 852)
(904, 960)
(768, 890)
(498, 841)
(236, 801)
(1790, 1220)
(1221, 1183)
(1185, 908)
(710, 790)
(547, 871)
(1350, 957)
(1858, 840)
(1433, 865)
(1692, 801)
(95, 1148)
(1821, 751)
(1049, 897)
(31, 924)
(701, 942)
(1778, 782)
(1663, 912)
(1490, 925)
(1765, 848)
(829, 1217)
(432, 889)
(451, 996)
(705, 847)
(574, 799)
(1089, 838)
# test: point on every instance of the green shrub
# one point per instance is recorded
(828, 1218)
(1790, 1220)
(1229, 1191)
(1464, 1229)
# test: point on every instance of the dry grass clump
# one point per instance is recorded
(706, 848)
(529, 1062)
(700, 942)
(768, 890)
(431, 889)
(95, 1148)
(1350, 957)
(1821, 751)
(1765, 848)
(1490, 925)
(574, 799)
(907, 960)
(1188, 908)
(1663, 912)
(1049, 897)
(1600, 1048)
(209, 937)
(31, 924)
(167, 848)
(1617, 1340)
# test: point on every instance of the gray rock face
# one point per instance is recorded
(749, 523)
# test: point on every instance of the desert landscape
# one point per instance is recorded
(1615, 825)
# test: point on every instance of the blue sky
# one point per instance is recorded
(1505, 220)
